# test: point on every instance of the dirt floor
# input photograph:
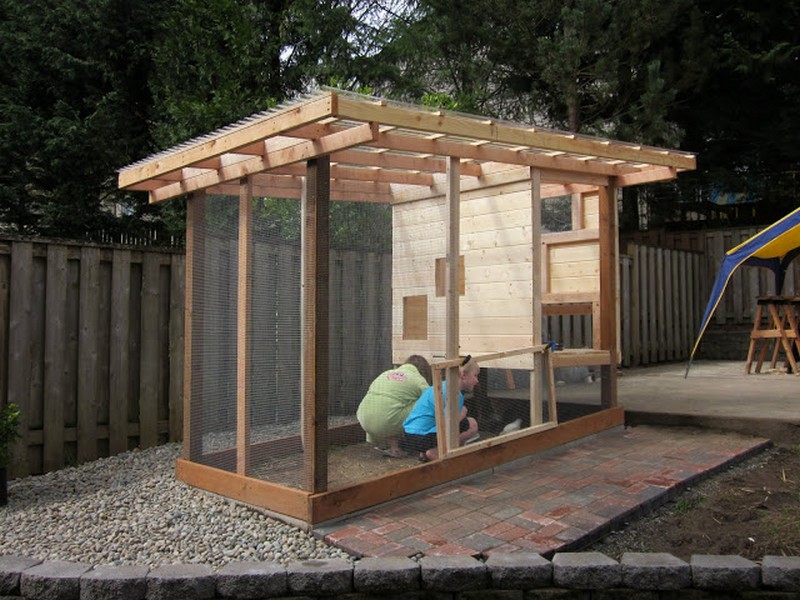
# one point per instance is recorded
(752, 510)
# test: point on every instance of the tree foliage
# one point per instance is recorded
(89, 86)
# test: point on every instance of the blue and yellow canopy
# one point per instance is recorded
(774, 248)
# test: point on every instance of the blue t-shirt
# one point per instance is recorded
(422, 418)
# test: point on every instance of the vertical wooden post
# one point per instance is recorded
(314, 329)
(243, 317)
(578, 221)
(609, 260)
(453, 199)
(192, 377)
(538, 374)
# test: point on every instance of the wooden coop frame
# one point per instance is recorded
(334, 145)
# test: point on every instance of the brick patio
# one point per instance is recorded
(558, 500)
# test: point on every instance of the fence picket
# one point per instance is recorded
(19, 350)
(55, 367)
(148, 375)
(119, 352)
(88, 354)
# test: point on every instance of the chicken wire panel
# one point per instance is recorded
(359, 340)
(214, 331)
(359, 344)
(274, 370)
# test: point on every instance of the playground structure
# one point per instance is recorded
(475, 265)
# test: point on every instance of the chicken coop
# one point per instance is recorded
(333, 236)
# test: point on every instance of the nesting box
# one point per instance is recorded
(442, 246)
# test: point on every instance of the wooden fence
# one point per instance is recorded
(662, 295)
(91, 349)
(91, 342)
(91, 337)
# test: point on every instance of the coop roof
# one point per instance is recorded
(386, 151)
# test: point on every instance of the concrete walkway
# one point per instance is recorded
(716, 394)
(570, 496)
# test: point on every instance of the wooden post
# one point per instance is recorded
(537, 375)
(314, 328)
(608, 292)
(451, 299)
(243, 317)
(192, 378)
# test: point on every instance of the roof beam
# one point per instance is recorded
(647, 176)
(489, 129)
(301, 151)
(346, 172)
(290, 186)
(247, 134)
(410, 143)
(516, 175)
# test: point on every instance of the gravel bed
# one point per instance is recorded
(131, 510)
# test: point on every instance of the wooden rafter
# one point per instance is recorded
(401, 146)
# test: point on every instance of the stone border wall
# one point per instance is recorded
(520, 576)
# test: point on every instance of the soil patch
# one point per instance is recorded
(752, 509)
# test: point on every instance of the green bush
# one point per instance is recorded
(9, 422)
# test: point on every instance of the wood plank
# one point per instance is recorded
(460, 125)
(286, 501)
(149, 353)
(609, 263)
(653, 293)
(315, 269)
(88, 355)
(537, 251)
(349, 499)
(243, 327)
(577, 212)
(273, 123)
(5, 302)
(644, 306)
(177, 298)
(54, 358)
(301, 151)
(687, 333)
(580, 357)
(555, 169)
(19, 354)
(119, 357)
(452, 243)
(625, 306)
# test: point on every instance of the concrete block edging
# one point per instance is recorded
(29, 579)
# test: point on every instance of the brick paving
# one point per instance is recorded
(558, 500)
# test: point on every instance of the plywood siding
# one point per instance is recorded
(495, 244)
(495, 312)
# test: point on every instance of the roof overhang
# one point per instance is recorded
(385, 151)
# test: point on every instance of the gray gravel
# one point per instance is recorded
(131, 510)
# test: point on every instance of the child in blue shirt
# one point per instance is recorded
(419, 428)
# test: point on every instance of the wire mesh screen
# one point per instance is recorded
(359, 345)
(274, 370)
(214, 331)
